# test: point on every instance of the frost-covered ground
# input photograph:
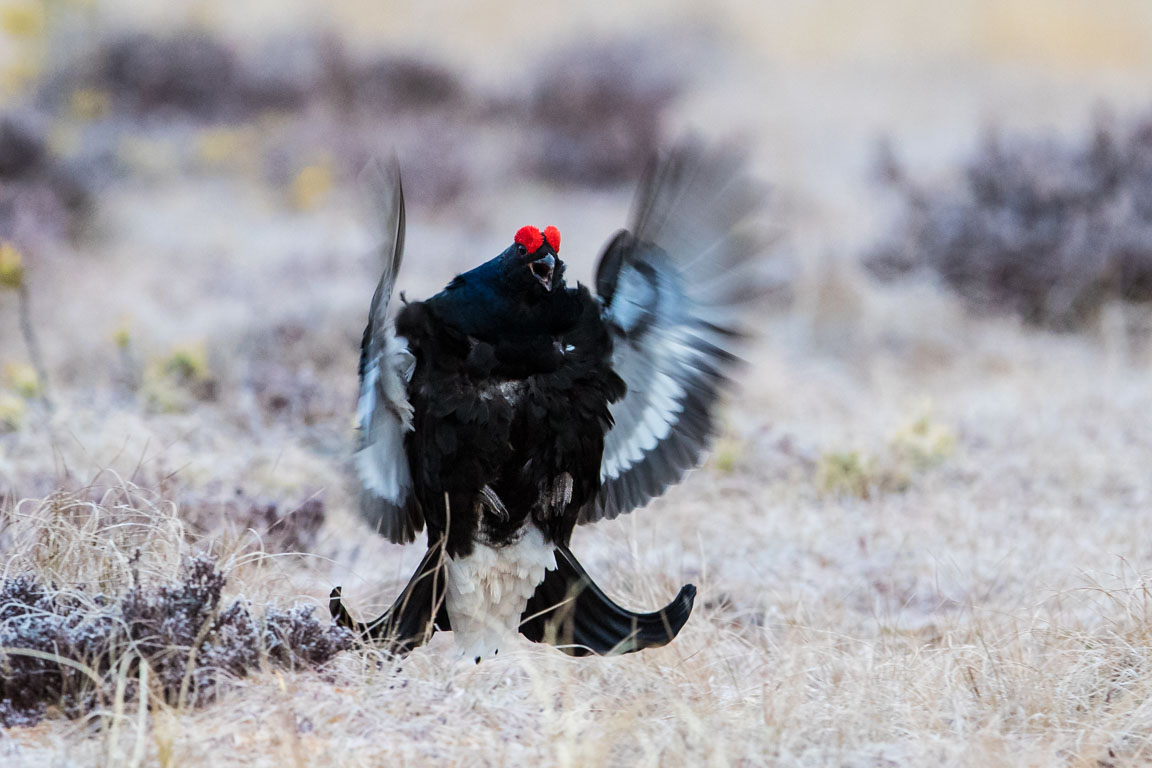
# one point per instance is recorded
(921, 540)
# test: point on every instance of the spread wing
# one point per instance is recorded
(386, 364)
(673, 287)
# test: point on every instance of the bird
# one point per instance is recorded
(510, 407)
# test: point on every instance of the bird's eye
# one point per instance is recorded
(521, 250)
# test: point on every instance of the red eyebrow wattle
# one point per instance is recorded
(552, 235)
(530, 238)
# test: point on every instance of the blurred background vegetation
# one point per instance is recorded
(964, 191)
(183, 270)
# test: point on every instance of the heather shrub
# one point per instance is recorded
(90, 602)
(598, 113)
(40, 194)
(198, 75)
(393, 83)
(191, 73)
(1049, 230)
(64, 647)
(280, 527)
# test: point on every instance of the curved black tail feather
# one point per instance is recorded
(569, 611)
(415, 616)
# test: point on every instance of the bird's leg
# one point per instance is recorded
(488, 499)
(561, 495)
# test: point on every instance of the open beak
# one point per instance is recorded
(542, 270)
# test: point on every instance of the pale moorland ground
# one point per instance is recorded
(921, 541)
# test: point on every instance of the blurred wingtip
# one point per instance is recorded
(382, 190)
(380, 171)
(700, 203)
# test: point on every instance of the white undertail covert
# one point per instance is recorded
(488, 590)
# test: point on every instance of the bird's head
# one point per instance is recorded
(532, 263)
(521, 292)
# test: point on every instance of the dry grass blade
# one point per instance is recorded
(106, 595)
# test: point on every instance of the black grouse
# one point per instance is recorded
(510, 407)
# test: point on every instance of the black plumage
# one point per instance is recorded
(507, 408)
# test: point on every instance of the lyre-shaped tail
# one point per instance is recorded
(415, 616)
(569, 611)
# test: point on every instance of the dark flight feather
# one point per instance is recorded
(385, 415)
(673, 287)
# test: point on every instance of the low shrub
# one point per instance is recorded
(1047, 229)
(67, 648)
